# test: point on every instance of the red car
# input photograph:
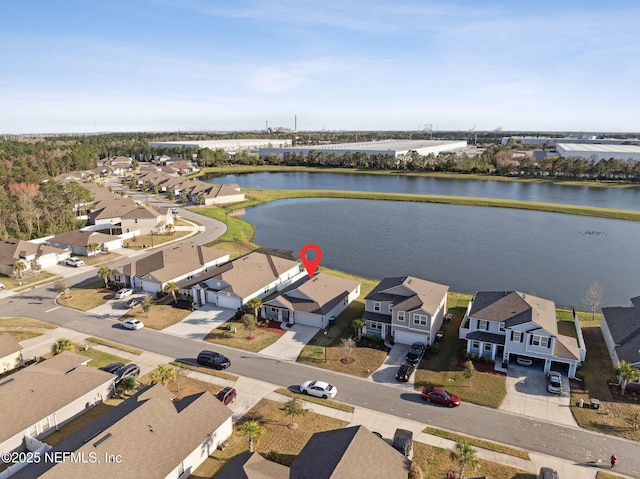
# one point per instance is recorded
(226, 395)
(440, 396)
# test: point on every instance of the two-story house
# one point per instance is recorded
(409, 309)
(507, 325)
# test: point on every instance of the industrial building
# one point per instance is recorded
(598, 152)
(396, 148)
(230, 146)
(552, 141)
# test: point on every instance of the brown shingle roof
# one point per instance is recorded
(81, 238)
(12, 250)
(408, 293)
(8, 345)
(38, 391)
(251, 465)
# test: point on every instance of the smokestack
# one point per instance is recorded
(295, 123)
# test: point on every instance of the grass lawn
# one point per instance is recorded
(279, 443)
(480, 443)
(183, 386)
(234, 248)
(242, 338)
(101, 258)
(22, 329)
(29, 278)
(149, 241)
(159, 316)
(325, 402)
(99, 358)
(237, 229)
(113, 345)
(486, 389)
(599, 371)
(87, 296)
(607, 475)
(435, 462)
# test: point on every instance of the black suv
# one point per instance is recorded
(112, 368)
(415, 352)
(213, 359)
(405, 372)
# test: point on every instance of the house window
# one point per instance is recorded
(483, 325)
(44, 424)
(400, 315)
(389, 307)
(541, 341)
(475, 344)
(516, 336)
(502, 328)
(33, 431)
(274, 310)
(377, 326)
(376, 306)
(487, 346)
(420, 319)
(180, 469)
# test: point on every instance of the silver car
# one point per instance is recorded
(554, 382)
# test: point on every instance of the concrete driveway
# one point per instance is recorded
(527, 395)
(200, 322)
(386, 373)
(113, 308)
(289, 345)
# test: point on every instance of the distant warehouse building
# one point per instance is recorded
(396, 148)
(598, 152)
(230, 146)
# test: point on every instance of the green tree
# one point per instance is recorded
(62, 344)
(294, 407)
(129, 383)
(163, 374)
(253, 430)
(171, 287)
(93, 248)
(466, 456)
(255, 304)
(105, 274)
(626, 373)
(469, 370)
(357, 325)
(250, 323)
(18, 268)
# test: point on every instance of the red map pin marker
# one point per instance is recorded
(310, 264)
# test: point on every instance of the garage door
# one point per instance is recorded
(230, 302)
(405, 337)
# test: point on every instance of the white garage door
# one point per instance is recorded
(230, 302)
(404, 337)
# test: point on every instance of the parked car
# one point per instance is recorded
(112, 368)
(133, 302)
(126, 371)
(320, 389)
(524, 361)
(440, 396)
(227, 395)
(415, 352)
(2, 286)
(75, 262)
(547, 473)
(123, 293)
(403, 441)
(213, 359)
(405, 371)
(554, 382)
(132, 324)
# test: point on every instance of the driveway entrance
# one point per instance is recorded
(527, 395)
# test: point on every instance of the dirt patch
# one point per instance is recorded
(480, 366)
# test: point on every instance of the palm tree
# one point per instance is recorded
(253, 430)
(255, 304)
(146, 305)
(93, 248)
(18, 268)
(105, 274)
(293, 408)
(357, 325)
(62, 344)
(466, 457)
(163, 374)
(171, 287)
(627, 373)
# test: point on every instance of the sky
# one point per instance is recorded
(222, 65)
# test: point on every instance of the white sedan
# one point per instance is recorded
(319, 389)
(123, 293)
(132, 324)
(75, 262)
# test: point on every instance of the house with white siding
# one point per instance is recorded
(10, 353)
(620, 328)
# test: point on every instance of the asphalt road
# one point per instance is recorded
(569, 443)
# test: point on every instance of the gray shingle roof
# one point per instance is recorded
(408, 293)
(624, 325)
(251, 465)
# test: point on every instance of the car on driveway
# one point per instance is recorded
(415, 352)
(123, 293)
(133, 302)
(554, 382)
(320, 389)
(547, 473)
(213, 359)
(440, 396)
(132, 324)
(112, 368)
(75, 262)
(405, 371)
(227, 395)
(127, 370)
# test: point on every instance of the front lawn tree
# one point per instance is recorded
(252, 430)
(18, 268)
(293, 408)
(469, 370)
(171, 287)
(357, 325)
(593, 299)
(466, 456)
(626, 374)
(163, 374)
(62, 344)
(105, 274)
(255, 304)
(250, 323)
(347, 345)
(146, 305)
